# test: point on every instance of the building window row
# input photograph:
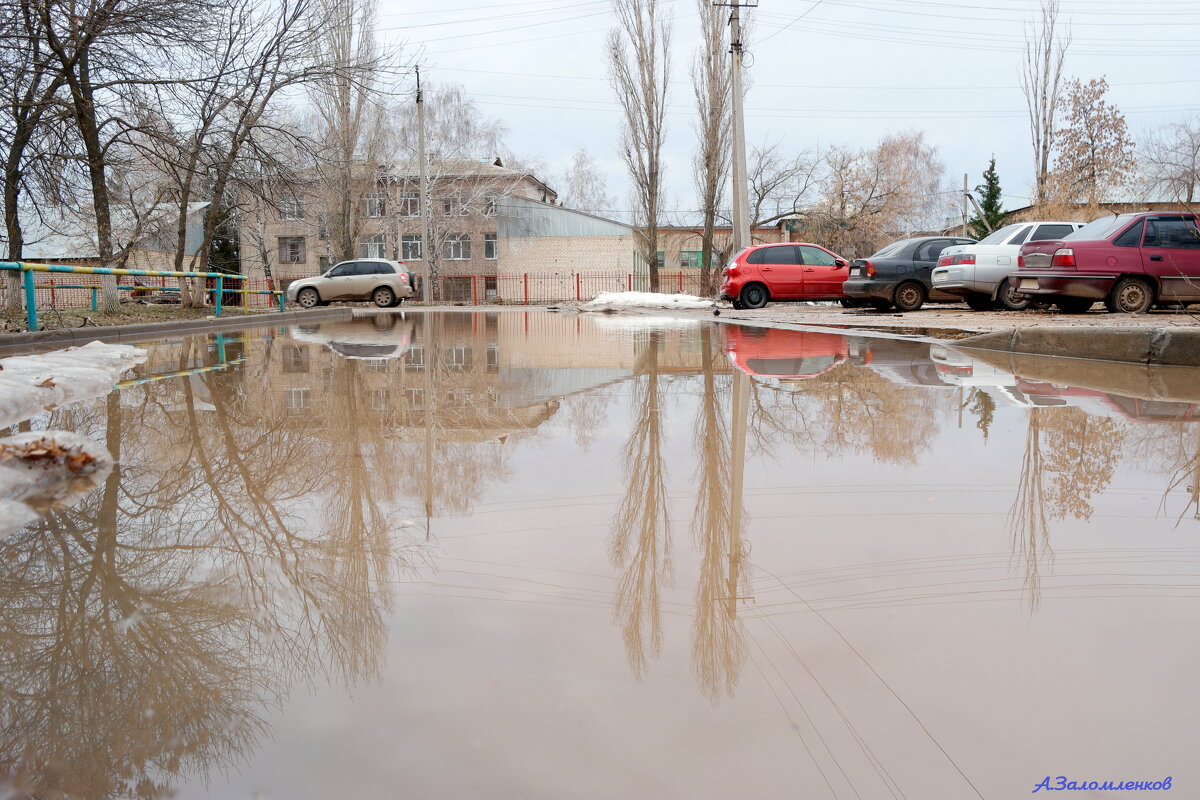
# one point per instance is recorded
(455, 247)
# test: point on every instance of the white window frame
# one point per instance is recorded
(410, 243)
(297, 250)
(291, 209)
(457, 247)
(410, 204)
(373, 246)
(489, 246)
(297, 399)
(375, 204)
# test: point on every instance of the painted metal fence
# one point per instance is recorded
(62, 287)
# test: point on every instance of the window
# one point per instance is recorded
(381, 400)
(1004, 235)
(457, 290)
(929, 251)
(415, 399)
(1102, 228)
(377, 268)
(1131, 237)
(689, 259)
(457, 247)
(410, 204)
(291, 208)
(781, 254)
(455, 206)
(1176, 233)
(493, 358)
(291, 249)
(376, 364)
(489, 246)
(489, 289)
(458, 356)
(415, 358)
(371, 246)
(295, 358)
(297, 399)
(410, 247)
(374, 204)
(489, 205)
(344, 269)
(1045, 232)
(816, 256)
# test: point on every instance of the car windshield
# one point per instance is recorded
(1001, 236)
(893, 249)
(1101, 228)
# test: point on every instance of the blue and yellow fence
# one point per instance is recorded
(218, 291)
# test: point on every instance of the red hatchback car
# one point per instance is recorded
(1131, 262)
(783, 354)
(783, 272)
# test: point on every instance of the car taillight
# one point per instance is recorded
(1063, 257)
(731, 269)
(963, 258)
(944, 261)
(870, 268)
(1020, 261)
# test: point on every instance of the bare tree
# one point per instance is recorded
(1171, 160)
(1095, 151)
(639, 61)
(1041, 81)
(711, 163)
(582, 187)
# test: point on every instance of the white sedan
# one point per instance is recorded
(979, 272)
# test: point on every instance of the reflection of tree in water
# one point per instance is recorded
(718, 647)
(641, 528)
(144, 632)
(1171, 449)
(984, 408)
(1069, 456)
(848, 410)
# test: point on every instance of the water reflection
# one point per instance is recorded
(281, 499)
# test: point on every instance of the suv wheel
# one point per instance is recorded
(1130, 296)
(909, 296)
(383, 297)
(308, 298)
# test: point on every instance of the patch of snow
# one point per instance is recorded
(620, 301)
(31, 384)
(641, 322)
(44, 469)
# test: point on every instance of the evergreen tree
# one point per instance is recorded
(989, 202)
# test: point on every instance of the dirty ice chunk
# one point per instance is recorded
(30, 384)
(618, 301)
(42, 470)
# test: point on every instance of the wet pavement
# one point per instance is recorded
(532, 555)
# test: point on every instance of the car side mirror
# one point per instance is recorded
(838, 263)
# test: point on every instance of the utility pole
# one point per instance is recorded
(426, 239)
(741, 202)
(965, 204)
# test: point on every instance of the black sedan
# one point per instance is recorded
(899, 274)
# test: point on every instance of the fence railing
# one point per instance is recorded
(83, 289)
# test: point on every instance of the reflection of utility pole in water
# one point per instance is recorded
(429, 339)
(741, 400)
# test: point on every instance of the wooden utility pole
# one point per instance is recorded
(426, 239)
(741, 202)
(965, 205)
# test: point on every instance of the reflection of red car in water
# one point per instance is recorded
(1114, 405)
(778, 353)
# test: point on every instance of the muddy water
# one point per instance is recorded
(537, 556)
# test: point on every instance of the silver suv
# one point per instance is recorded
(385, 283)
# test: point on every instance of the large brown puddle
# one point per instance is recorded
(532, 555)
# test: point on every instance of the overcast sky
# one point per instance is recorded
(834, 71)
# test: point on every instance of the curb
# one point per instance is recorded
(144, 330)
(1178, 347)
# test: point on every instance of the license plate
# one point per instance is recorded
(1028, 284)
(855, 272)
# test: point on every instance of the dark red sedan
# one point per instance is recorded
(783, 272)
(1132, 262)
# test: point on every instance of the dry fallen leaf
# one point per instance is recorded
(46, 384)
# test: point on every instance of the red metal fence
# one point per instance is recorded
(82, 291)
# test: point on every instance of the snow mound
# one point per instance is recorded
(619, 301)
(41, 470)
(30, 384)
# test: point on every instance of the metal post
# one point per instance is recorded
(578, 287)
(526, 279)
(741, 203)
(30, 299)
(738, 424)
(965, 205)
(282, 300)
(94, 293)
(221, 347)
(217, 301)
